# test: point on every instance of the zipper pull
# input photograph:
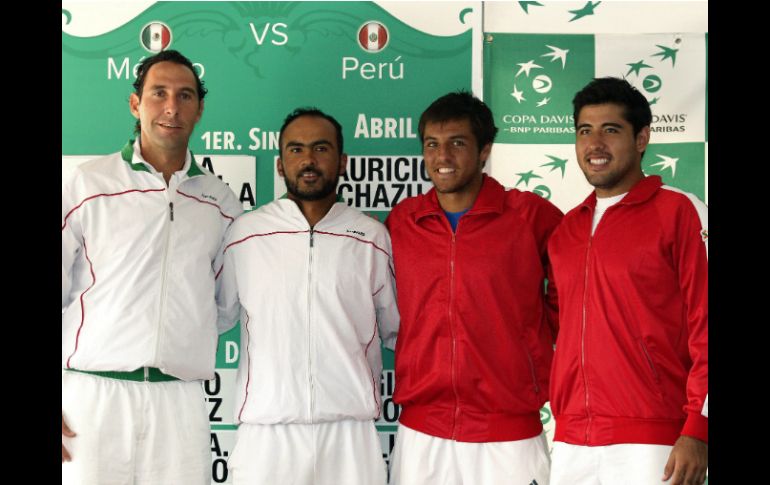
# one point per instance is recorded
(311, 238)
(171, 207)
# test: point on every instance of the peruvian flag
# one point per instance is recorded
(373, 36)
(156, 37)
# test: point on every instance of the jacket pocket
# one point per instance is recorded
(653, 371)
(531, 364)
(650, 363)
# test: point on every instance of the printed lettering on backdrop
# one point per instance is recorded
(530, 80)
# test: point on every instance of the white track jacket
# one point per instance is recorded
(137, 265)
(313, 305)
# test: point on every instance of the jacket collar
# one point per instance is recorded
(292, 212)
(140, 165)
(491, 198)
(641, 192)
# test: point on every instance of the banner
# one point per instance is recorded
(530, 80)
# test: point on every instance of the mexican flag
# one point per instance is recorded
(156, 37)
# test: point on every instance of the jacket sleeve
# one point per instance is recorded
(551, 303)
(71, 241)
(231, 207)
(691, 256)
(385, 304)
(546, 218)
(228, 306)
(226, 287)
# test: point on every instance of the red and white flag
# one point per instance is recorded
(373, 36)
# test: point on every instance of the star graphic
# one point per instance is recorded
(666, 162)
(526, 67)
(560, 163)
(665, 53)
(636, 67)
(588, 9)
(557, 53)
(543, 102)
(519, 95)
(525, 177)
(525, 6)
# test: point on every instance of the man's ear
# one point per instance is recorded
(133, 104)
(484, 155)
(642, 139)
(200, 111)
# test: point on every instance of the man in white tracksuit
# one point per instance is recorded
(311, 280)
(141, 229)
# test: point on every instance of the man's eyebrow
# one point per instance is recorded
(451, 137)
(163, 86)
(293, 143)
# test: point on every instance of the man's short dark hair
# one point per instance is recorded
(316, 113)
(636, 108)
(166, 56)
(461, 105)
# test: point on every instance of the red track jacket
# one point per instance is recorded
(631, 362)
(476, 340)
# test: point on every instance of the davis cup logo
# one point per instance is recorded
(650, 82)
(155, 37)
(541, 84)
(373, 36)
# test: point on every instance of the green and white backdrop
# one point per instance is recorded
(261, 60)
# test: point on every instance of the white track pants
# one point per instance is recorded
(334, 453)
(624, 464)
(134, 433)
(421, 459)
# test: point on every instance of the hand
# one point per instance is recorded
(687, 462)
(65, 431)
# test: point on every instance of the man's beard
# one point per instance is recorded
(317, 193)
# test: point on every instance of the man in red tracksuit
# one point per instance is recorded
(476, 339)
(629, 385)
